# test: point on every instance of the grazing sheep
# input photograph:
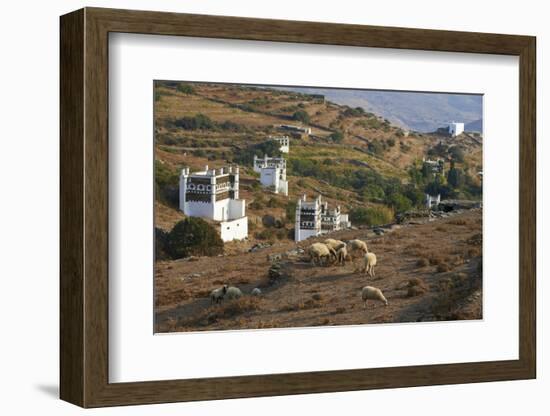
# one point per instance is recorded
(342, 255)
(335, 244)
(357, 248)
(233, 293)
(370, 262)
(318, 251)
(216, 296)
(373, 293)
(256, 292)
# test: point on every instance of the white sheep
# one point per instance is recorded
(318, 251)
(370, 262)
(335, 244)
(342, 255)
(256, 292)
(373, 293)
(233, 292)
(217, 295)
(357, 248)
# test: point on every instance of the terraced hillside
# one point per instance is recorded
(355, 159)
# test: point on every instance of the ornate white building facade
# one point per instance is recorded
(272, 172)
(214, 194)
(315, 217)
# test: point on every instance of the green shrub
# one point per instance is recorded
(371, 216)
(290, 211)
(337, 136)
(186, 88)
(161, 238)
(166, 184)
(400, 202)
(193, 236)
(301, 115)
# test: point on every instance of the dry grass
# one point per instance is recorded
(311, 295)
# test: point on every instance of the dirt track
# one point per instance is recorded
(445, 254)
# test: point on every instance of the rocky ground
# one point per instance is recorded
(429, 268)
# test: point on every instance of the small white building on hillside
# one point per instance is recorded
(298, 129)
(455, 129)
(432, 200)
(284, 143)
(272, 172)
(434, 166)
(214, 194)
(314, 218)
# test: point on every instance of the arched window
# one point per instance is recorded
(200, 187)
(191, 186)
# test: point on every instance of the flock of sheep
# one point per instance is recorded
(331, 251)
(328, 252)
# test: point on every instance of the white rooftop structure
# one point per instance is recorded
(456, 128)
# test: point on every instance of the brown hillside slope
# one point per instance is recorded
(428, 272)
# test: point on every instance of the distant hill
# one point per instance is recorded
(423, 112)
(476, 126)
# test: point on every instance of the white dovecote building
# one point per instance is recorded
(332, 219)
(272, 172)
(432, 200)
(456, 128)
(314, 218)
(284, 143)
(308, 218)
(214, 194)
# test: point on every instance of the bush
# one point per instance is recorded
(399, 202)
(457, 154)
(337, 136)
(166, 184)
(193, 236)
(161, 237)
(186, 88)
(301, 115)
(371, 216)
(290, 211)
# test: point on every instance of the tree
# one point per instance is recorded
(400, 203)
(193, 236)
(301, 115)
(455, 177)
(337, 136)
(457, 154)
(290, 211)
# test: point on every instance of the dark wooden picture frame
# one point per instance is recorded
(84, 207)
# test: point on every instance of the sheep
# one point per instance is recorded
(217, 295)
(233, 292)
(317, 251)
(335, 244)
(357, 248)
(370, 262)
(373, 293)
(342, 255)
(256, 292)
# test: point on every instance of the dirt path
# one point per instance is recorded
(442, 254)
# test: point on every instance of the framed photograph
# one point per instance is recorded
(256, 207)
